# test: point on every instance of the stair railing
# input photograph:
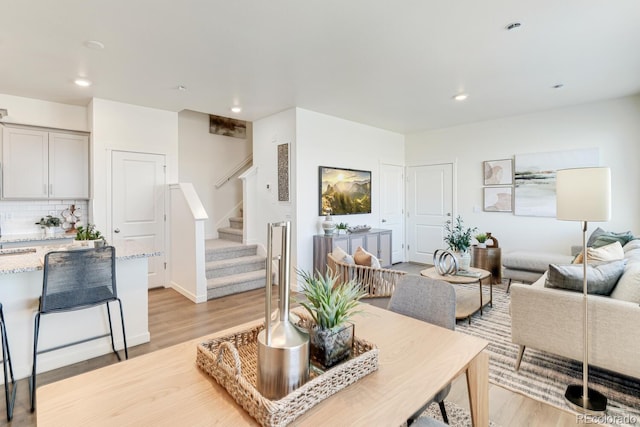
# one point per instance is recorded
(240, 166)
(187, 242)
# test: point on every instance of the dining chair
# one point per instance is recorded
(432, 301)
(76, 280)
(9, 391)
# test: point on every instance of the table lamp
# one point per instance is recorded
(584, 194)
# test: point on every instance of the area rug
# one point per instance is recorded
(458, 417)
(544, 376)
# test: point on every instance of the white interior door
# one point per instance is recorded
(137, 201)
(429, 206)
(392, 207)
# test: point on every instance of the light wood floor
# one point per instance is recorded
(173, 319)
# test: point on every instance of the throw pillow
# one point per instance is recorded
(348, 259)
(339, 253)
(601, 278)
(628, 287)
(600, 237)
(362, 257)
(610, 252)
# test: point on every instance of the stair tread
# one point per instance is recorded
(236, 278)
(231, 248)
(230, 230)
(230, 262)
(236, 218)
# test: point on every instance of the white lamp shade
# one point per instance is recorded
(584, 194)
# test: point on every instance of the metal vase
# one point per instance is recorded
(283, 349)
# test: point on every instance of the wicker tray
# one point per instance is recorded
(232, 361)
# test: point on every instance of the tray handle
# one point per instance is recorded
(235, 370)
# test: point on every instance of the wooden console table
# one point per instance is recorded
(416, 360)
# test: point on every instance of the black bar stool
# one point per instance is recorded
(9, 391)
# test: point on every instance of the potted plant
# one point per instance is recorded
(49, 223)
(342, 227)
(458, 238)
(89, 233)
(330, 306)
(481, 238)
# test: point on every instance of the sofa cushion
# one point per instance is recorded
(628, 287)
(610, 252)
(533, 261)
(633, 244)
(601, 278)
(600, 237)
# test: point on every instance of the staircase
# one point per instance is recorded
(232, 267)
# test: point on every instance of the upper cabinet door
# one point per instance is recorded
(68, 166)
(24, 163)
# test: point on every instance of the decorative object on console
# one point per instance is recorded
(584, 194)
(328, 225)
(342, 227)
(492, 241)
(498, 172)
(535, 178)
(359, 229)
(330, 305)
(344, 191)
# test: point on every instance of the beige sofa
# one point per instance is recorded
(551, 320)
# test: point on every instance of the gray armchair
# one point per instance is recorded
(432, 301)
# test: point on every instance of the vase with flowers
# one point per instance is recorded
(458, 239)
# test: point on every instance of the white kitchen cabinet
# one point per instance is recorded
(38, 164)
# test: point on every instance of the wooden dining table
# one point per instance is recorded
(415, 361)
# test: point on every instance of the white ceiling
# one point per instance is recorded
(390, 64)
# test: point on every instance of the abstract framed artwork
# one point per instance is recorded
(498, 199)
(344, 191)
(498, 172)
(535, 178)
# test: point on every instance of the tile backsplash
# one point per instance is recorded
(19, 217)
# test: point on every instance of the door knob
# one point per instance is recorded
(384, 220)
(448, 213)
(117, 230)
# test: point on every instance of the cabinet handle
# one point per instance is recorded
(51, 189)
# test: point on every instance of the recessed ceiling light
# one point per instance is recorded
(513, 26)
(236, 109)
(82, 82)
(460, 97)
(94, 44)
(558, 86)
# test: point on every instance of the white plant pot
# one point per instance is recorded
(464, 260)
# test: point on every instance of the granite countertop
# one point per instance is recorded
(21, 260)
(35, 237)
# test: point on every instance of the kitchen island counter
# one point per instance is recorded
(21, 278)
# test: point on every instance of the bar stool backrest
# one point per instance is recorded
(78, 279)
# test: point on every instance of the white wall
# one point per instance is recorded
(204, 159)
(612, 126)
(316, 140)
(119, 126)
(35, 112)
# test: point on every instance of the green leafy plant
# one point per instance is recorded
(88, 233)
(481, 238)
(458, 238)
(49, 221)
(329, 304)
(342, 226)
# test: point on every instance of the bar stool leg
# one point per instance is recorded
(10, 395)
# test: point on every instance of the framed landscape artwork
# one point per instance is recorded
(498, 172)
(344, 191)
(498, 199)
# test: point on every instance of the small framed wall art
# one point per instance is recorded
(498, 172)
(498, 199)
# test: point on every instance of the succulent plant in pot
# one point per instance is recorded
(49, 223)
(482, 239)
(342, 227)
(90, 233)
(330, 306)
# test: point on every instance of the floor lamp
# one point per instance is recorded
(584, 195)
